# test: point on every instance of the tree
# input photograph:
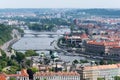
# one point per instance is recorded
(83, 61)
(12, 78)
(102, 62)
(100, 78)
(75, 61)
(117, 78)
(3, 63)
(13, 56)
(29, 53)
(28, 62)
(34, 70)
(12, 70)
(44, 79)
(3, 54)
(12, 63)
(20, 56)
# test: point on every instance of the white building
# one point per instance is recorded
(57, 76)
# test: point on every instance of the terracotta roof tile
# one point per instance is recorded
(58, 73)
(2, 77)
(102, 67)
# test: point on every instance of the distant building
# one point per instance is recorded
(57, 76)
(107, 72)
(115, 51)
(22, 75)
(76, 39)
(99, 47)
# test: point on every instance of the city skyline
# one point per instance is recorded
(59, 4)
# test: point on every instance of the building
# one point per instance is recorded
(115, 51)
(76, 39)
(57, 76)
(2, 77)
(107, 72)
(100, 47)
(22, 75)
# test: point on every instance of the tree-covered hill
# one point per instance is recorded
(5, 33)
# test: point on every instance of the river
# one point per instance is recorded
(42, 42)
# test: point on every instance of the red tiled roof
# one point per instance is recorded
(84, 36)
(2, 77)
(23, 73)
(58, 74)
(116, 47)
(102, 67)
(104, 43)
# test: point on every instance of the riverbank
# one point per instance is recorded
(6, 46)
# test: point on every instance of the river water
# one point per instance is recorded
(41, 42)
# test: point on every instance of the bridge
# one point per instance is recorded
(43, 33)
(37, 34)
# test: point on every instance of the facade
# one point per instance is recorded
(76, 39)
(115, 51)
(100, 47)
(57, 76)
(108, 72)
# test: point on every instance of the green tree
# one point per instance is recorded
(75, 61)
(83, 61)
(12, 78)
(100, 79)
(28, 63)
(102, 62)
(20, 56)
(117, 78)
(44, 79)
(3, 64)
(3, 53)
(13, 56)
(29, 53)
(34, 70)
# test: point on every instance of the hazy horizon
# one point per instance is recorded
(82, 4)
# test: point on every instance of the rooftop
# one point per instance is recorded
(102, 67)
(104, 43)
(58, 74)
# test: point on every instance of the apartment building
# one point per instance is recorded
(22, 75)
(99, 47)
(57, 76)
(115, 51)
(108, 72)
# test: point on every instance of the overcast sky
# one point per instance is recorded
(59, 3)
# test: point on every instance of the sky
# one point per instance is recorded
(59, 4)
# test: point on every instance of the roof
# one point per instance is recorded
(2, 77)
(116, 47)
(23, 73)
(84, 36)
(104, 43)
(58, 74)
(102, 67)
